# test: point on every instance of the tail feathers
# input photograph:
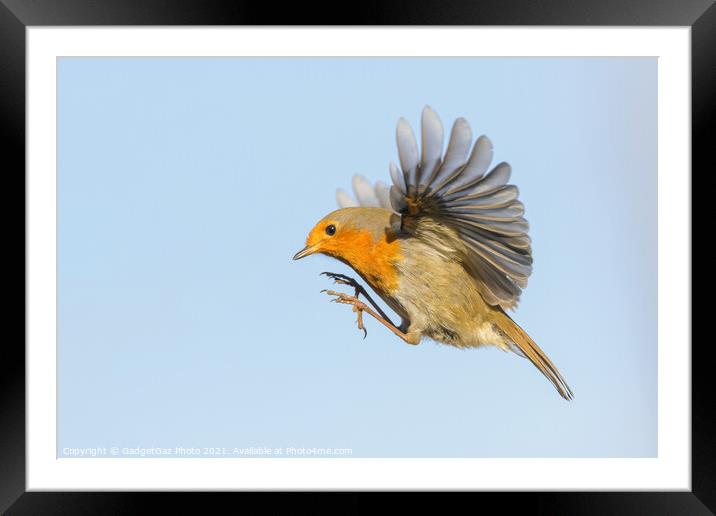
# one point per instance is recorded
(526, 347)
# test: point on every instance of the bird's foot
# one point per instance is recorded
(359, 290)
(342, 279)
(357, 304)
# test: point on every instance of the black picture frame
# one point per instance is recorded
(17, 15)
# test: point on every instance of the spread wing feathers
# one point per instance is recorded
(366, 194)
(457, 190)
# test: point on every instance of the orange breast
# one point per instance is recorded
(373, 258)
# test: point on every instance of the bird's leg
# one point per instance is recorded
(360, 307)
(359, 289)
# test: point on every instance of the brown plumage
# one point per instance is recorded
(446, 247)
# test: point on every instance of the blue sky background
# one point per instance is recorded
(185, 186)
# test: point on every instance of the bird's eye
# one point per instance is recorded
(330, 230)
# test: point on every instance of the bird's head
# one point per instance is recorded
(348, 234)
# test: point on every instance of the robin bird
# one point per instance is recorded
(445, 247)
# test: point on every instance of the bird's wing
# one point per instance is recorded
(366, 194)
(456, 190)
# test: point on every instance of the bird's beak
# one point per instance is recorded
(309, 249)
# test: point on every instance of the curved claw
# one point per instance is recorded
(326, 273)
(358, 306)
(339, 278)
